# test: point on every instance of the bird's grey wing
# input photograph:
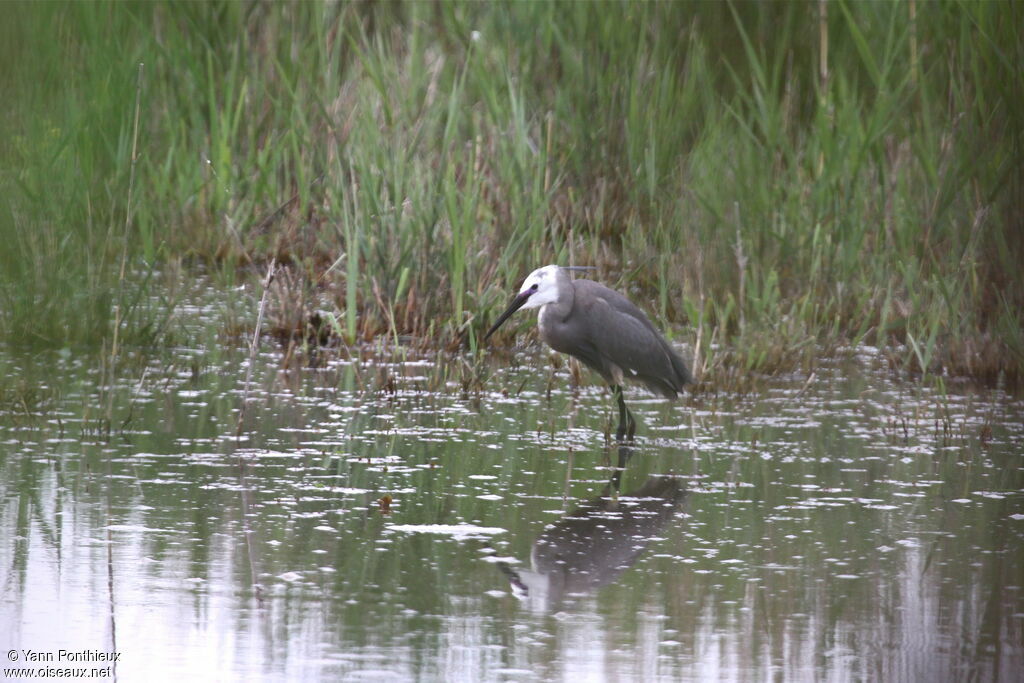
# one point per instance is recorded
(619, 333)
(674, 373)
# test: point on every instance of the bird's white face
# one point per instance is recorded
(543, 282)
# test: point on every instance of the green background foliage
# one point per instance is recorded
(767, 179)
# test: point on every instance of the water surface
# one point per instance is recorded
(385, 518)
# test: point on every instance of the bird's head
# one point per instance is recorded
(540, 287)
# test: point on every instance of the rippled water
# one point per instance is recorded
(380, 521)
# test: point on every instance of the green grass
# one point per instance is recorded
(409, 163)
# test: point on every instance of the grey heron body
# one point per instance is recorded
(605, 331)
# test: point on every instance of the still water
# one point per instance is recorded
(383, 518)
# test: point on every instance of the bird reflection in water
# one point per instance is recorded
(595, 543)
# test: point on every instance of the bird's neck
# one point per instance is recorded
(558, 310)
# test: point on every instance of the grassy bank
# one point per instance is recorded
(766, 179)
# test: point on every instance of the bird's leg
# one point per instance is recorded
(627, 425)
(621, 429)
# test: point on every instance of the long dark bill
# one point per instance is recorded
(516, 304)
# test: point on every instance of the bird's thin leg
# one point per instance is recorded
(627, 425)
(620, 431)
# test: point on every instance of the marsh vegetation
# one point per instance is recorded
(771, 181)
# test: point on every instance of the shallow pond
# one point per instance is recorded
(378, 520)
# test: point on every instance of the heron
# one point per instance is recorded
(605, 331)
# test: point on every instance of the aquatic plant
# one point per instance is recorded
(771, 181)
